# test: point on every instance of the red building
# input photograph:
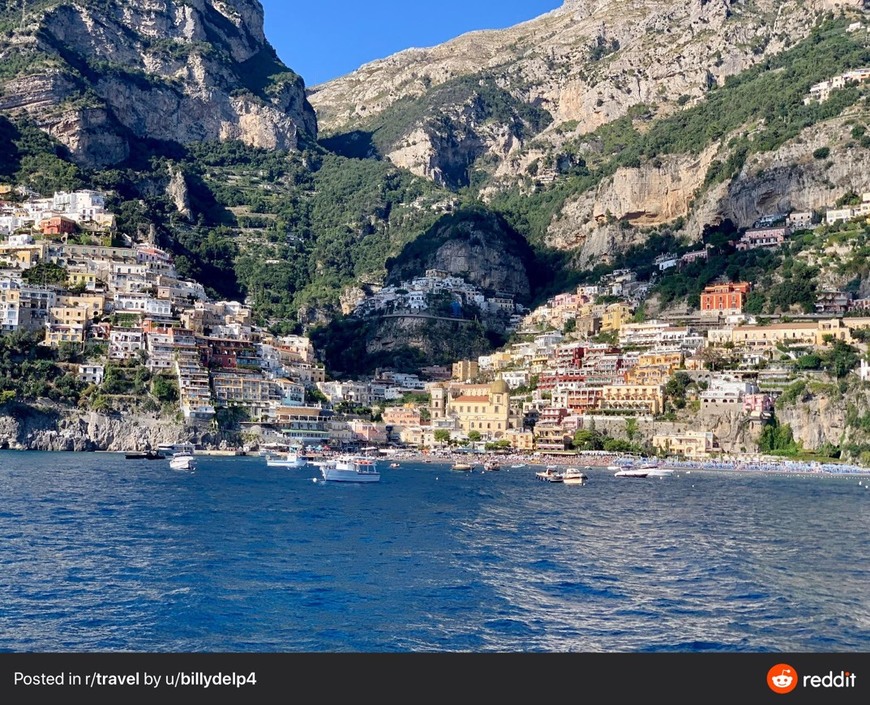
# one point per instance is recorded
(58, 226)
(725, 298)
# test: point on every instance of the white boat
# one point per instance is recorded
(176, 448)
(654, 471)
(351, 469)
(550, 475)
(182, 461)
(462, 467)
(491, 466)
(631, 472)
(293, 459)
(573, 476)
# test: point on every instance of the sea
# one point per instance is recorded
(101, 554)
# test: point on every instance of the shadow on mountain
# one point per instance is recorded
(10, 155)
(357, 144)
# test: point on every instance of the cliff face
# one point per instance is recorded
(97, 74)
(55, 427)
(584, 65)
(473, 244)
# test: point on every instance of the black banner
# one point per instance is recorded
(451, 679)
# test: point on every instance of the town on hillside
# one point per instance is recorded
(586, 370)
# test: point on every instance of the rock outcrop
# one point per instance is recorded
(473, 244)
(98, 75)
(55, 427)
(584, 64)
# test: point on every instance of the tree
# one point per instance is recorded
(473, 436)
(442, 435)
(631, 429)
(588, 439)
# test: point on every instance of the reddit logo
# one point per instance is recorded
(782, 678)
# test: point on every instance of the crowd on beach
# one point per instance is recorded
(603, 459)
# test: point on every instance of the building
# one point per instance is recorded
(636, 398)
(465, 370)
(727, 299)
(484, 408)
(691, 444)
(57, 225)
(833, 302)
(769, 238)
(800, 220)
(308, 425)
(808, 334)
(125, 343)
(615, 316)
(91, 374)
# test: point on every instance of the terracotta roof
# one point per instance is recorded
(473, 400)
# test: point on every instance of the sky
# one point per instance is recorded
(324, 39)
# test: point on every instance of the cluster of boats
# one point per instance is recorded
(569, 476)
(180, 455)
(342, 468)
(488, 466)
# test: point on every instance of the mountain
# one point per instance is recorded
(592, 124)
(101, 76)
(528, 158)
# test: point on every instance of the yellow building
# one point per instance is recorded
(68, 315)
(521, 440)
(465, 370)
(88, 280)
(23, 256)
(654, 368)
(94, 303)
(813, 333)
(484, 408)
(691, 444)
(55, 334)
(645, 398)
(614, 316)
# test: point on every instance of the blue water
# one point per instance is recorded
(100, 554)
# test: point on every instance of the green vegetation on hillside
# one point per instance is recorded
(758, 110)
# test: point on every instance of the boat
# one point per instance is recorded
(631, 472)
(491, 466)
(550, 475)
(292, 459)
(170, 449)
(182, 461)
(351, 469)
(462, 467)
(654, 471)
(147, 455)
(394, 465)
(573, 476)
(520, 465)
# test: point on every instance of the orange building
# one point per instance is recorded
(725, 298)
(58, 225)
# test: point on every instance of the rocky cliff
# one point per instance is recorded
(56, 427)
(474, 244)
(100, 75)
(582, 66)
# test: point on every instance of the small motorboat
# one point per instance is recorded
(550, 475)
(182, 462)
(491, 466)
(462, 467)
(573, 476)
(631, 472)
(394, 465)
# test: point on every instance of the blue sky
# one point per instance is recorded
(328, 38)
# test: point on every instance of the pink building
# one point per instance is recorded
(758, 405)
(763, 237)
